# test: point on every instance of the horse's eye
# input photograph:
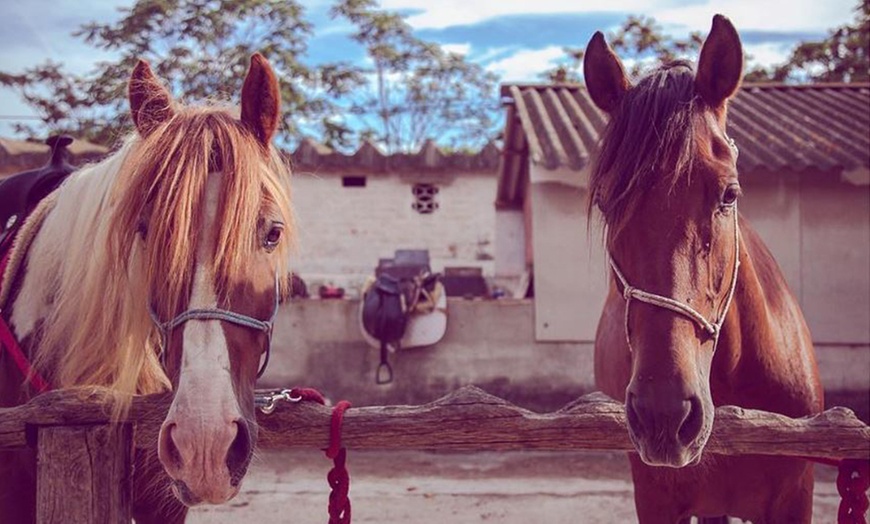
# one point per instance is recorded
(730, 195)
(270, 241)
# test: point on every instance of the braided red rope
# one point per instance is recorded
(853, 481)
(338, 477)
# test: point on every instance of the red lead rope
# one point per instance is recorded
(338, 477)
(8, 341)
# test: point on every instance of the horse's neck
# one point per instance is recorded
(65, 242)
(765, 344)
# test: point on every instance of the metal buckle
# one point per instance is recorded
(266, 402)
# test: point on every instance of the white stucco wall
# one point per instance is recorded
(510, 243)
(835, 261)
(570, 278)
(819, 233)
(343, 231)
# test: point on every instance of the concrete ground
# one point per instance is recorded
(441, 488)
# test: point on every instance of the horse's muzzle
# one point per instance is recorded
(668, 432)
(206, 465)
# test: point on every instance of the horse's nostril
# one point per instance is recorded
(239, 454)
(634, 419)
(692, 423)
(171, 453)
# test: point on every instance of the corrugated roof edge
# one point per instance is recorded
(565, 128)
(313, 156)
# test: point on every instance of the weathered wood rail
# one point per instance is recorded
(75, 438)
(468, 419)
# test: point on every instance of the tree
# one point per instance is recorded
(569, 68)
(639, 42)
(844, 56)
(201, 48)
(415, 90)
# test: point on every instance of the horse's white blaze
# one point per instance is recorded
(205, 388)
(205, 406)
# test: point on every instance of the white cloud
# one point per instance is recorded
(447, 13)
(766, 54)
(459, 49)
(492, 53)
(774, 15)
(762, 15)
(526, 65)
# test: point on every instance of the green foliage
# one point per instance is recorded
(201, 49)
(416, 89)
(639, 42)
(844, 56)
(569, 68)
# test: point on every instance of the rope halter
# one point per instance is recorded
(218, 314)
(714, 327)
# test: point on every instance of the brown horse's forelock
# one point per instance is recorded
(649, 140)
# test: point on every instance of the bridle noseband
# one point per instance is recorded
(218, 314)
(713, 328)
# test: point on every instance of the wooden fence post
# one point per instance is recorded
(84, 474)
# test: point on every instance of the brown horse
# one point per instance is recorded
(159, 269)
(683, 330)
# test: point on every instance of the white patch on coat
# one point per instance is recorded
(205, 388)
(65, 237)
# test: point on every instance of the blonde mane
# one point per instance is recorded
(98, 331)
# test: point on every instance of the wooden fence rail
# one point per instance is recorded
(84, 461)
(468, 419)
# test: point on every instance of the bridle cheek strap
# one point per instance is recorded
(713, 328)
(223, 315)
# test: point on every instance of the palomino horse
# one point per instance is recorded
(158, 269)
(682, 330)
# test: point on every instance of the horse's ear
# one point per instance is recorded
(261, 100)
(150, 102)
(605, 77)
(720, 66)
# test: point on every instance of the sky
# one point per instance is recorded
(516, 39)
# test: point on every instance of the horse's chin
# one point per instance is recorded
(190, 499)
(670, 460)
(668, 455)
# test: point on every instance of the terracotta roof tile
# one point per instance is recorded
(310, 155)
(313, 156)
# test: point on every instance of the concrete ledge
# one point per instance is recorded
(489, 344)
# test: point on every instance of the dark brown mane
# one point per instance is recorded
(648, 140)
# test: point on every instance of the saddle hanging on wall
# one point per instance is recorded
(385, 317)
(423, 321)
(404, 305)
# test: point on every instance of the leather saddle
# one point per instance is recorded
(20, 193)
